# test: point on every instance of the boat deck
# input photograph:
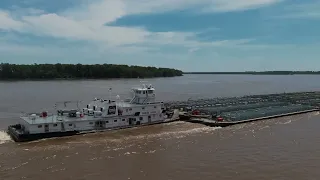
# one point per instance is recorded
(55, 119)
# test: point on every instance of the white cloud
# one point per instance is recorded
(98, 13)
(88, 22)
(8, 23)
(143, 6)
(236, 5)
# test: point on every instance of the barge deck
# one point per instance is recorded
(214, 123)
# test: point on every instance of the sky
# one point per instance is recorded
(190, 35)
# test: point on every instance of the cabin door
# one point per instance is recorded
(149, 119)
(102, 124)
(46, 128)
(131, 121)
(62, 127)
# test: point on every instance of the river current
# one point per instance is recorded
(283, 148)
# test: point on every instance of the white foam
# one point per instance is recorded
(287, 122)
(4, 137)
(176, 133)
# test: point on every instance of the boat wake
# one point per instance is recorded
(287, 122)
(176, 134)
(4, 137)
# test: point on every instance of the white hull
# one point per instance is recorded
(88, 123)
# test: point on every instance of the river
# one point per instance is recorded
(283, 148)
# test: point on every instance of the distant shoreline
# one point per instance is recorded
(260, 73)
(18, 72)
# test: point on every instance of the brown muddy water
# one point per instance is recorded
(283, 148)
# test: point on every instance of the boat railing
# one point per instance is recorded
(29, 115)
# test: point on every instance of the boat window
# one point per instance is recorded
(126, 110)
(70, 124)
(46, 125)
(123, 119)
(115, 120)
(141, 118)
(39, 126)
(130, 109)
(90, 122)
(150, 91)
(155, 106)
(55, 125)
(144, 92)
(107, 121)
(143, 107)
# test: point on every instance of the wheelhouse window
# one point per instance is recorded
(115, 120)
(141, 118)
(123, 119)
(39, 126)
(55, 125)
(70, 124)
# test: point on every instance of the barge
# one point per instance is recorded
(220, 122)
(222, 112)
(100, 114)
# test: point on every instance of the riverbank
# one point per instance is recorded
(80, 71)
(78, 79)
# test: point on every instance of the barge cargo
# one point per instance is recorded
(216, 123)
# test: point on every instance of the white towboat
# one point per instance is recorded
(100, 114)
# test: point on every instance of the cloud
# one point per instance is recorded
(238, 5)
(146, 6)
(98, 13)
(304, 10)
(8, 23)
(89, 22)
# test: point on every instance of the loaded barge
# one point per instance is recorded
(224, 112)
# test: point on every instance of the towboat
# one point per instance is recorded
(100, 114)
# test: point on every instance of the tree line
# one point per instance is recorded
(80, 71)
